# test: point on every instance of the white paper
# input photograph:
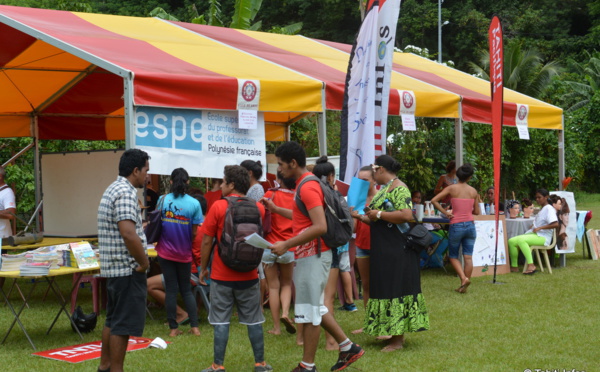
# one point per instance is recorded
(158, 343)
(408, 122)
(248, 119)
(258, 241)
(523, 132)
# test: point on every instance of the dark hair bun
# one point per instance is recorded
(322, 159)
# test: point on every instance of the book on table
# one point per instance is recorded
(35, 268)
(12, 262)
(84, 255)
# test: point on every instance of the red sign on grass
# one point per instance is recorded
(89, 351)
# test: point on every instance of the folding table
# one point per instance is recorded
(53, 286)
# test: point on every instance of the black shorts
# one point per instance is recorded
(126, 307)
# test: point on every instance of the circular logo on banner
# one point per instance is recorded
(522, 112)
(382, 49)
(407, 100)
(249, 91)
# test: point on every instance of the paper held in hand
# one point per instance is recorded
(258, 241)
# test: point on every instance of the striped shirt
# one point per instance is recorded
(118, 203)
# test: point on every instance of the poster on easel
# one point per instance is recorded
(485, 244)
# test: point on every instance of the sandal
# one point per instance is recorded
(463, 288)
(530, 272)
(289, 326)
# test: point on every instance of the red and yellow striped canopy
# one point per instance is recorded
(63, 75)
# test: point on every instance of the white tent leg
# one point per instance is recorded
(322, 133)
(36, 169)
(561, 159)
(129, 112)
(458, 141)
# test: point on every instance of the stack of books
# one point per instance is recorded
(44, 255)
(35, 268)
(65, 256)
(12, 262)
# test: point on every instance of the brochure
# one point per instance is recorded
(84, 255)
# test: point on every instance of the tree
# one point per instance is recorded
(524, 70)
(582, 91)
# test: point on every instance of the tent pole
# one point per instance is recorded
(36, 168)
(458, 141)
(322, 130)
(561, 156)
(129, 111)
(322, 125)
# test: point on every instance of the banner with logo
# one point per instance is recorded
(202, 142)
(408, 107)
(89, 351)
(366, 96)
(521, 121)
(247, 103)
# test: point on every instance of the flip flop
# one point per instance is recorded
(463, 288)
(289, 326)
(185, 321)
(530, 272)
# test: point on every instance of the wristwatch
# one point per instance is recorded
(379, 215)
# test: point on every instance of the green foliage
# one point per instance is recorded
(162, 14)
(412, 149)
(588, 83)
(524, 70)
(244, 13)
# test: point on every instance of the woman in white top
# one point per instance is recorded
(539, 234)
(255, 171)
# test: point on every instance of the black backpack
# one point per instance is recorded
(241, 219)
(340, 224)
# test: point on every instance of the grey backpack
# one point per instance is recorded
(340, 224)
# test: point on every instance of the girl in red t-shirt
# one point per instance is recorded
(279, 270)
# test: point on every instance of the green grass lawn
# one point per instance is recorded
(546, 322)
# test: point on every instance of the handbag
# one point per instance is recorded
(418, 237)
(153, 229)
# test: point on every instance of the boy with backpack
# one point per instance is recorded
(234, 277)
(313, 258)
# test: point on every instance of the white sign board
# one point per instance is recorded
(202, 142)
(483, 251)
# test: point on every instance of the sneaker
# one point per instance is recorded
(348, 357)
(349, 307)
(301, 368)
(214, 368)
(262, 367)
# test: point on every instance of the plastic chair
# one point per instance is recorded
(544, 249)
(201, 290)
(98, 289)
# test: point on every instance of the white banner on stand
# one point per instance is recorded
(202, 142)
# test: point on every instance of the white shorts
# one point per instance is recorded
(310, 276)
(270, 258)
(344, 258)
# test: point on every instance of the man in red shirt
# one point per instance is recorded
(228, 286)
(312, 269)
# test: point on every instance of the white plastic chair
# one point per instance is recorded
(544, 249)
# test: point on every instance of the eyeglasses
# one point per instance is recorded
(374, 167)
